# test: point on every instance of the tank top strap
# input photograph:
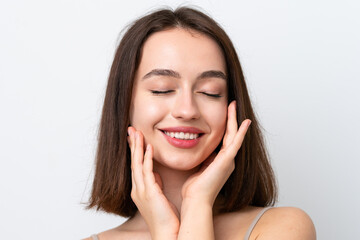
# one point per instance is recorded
(94, 237)
(254, 222)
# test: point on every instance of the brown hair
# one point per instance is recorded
(251, 183)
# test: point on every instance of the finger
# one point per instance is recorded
(137, 160)
(158, 180)
(149, 178)
(131, 132)
(134, 190)
(152, 181)
(139, 148)
(240, 135)
(231, 126)
(133, 181)
(130, 142)
(225, 158)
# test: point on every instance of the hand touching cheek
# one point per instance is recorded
(159, 214)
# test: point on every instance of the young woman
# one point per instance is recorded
(171, 156)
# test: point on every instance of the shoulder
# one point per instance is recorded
(285, 223)
(105, 235)
(114, 234)
(130, 229)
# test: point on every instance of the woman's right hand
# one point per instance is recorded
(159, 214)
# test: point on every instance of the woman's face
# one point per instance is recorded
(179, 99)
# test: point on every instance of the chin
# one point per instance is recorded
(181, 163)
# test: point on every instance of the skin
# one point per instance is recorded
(175, 188)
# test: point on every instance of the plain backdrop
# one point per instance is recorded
(301, 62)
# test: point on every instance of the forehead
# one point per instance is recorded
(181, 50)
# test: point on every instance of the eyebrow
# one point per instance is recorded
(174, 74)
(212, 74)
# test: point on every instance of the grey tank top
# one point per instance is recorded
(248, 232)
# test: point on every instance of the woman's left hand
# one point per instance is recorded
(204, 186)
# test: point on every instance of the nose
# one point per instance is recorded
(185, 108)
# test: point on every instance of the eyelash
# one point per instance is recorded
(211, 95)
(156, 92)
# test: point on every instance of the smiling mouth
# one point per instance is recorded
(182, 135)
(182, 139)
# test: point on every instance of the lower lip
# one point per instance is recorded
(181, 143)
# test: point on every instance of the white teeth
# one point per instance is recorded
(182, 135)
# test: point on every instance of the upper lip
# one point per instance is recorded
(182, 129)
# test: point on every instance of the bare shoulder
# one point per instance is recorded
(114, 234)
(285, 223)
(106, 235)
(131, 229)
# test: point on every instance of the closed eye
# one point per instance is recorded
(211, 95)
(157, 92)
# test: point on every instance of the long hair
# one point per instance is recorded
(251, 183)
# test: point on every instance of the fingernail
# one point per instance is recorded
(148, 147)
(129, 132)
(248, 123)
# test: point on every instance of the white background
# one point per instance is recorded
(301, 61)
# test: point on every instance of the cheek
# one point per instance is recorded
(218, 126)
(216, 117)
(220, 119)
(145, 115)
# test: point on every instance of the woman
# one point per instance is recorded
(171, 156)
